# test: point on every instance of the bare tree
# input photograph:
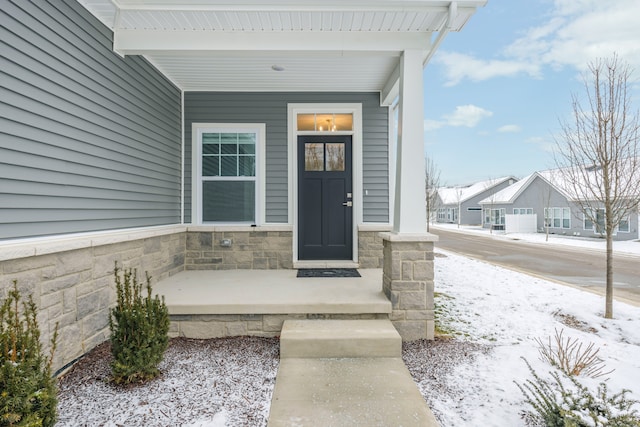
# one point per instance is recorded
(432, 183)
(598, 153)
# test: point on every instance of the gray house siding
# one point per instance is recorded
(88, 140)
(271, 108)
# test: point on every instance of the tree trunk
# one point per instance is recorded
(608, 312)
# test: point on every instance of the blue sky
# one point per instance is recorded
(494, 92)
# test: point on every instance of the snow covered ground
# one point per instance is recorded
(509, 310)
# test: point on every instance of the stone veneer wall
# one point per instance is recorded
(250, 250)
(407, 281)
(370, 249)
(76, 289)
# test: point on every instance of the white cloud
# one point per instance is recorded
(546, 144)
(509, 129)
(460, 66)
(463, 116)
(576, 32)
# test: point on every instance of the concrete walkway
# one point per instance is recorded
(360, 386)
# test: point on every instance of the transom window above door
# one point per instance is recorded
(325, 122)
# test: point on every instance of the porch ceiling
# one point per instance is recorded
(281, 45)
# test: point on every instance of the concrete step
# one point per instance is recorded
(339, 338)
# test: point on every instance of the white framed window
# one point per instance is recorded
(523, 211)
(557, 217)
(228, 172)
(495, 216)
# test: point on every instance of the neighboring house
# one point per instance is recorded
(546, 195)
(210, 135)
(460, 205)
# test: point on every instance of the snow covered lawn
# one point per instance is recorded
(509, 310)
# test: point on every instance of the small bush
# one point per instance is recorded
(139, 330)
(570, 357)
(565, 402)
(28, 390)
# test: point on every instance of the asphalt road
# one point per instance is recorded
(582, 268)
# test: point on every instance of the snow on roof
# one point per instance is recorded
(507, 195)
(453, 195)
(557, 178)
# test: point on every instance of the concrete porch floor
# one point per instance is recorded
(271, 292)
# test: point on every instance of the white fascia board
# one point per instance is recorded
(135, 42)
(288, 5)
(298, 5)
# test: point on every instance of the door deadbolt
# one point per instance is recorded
(348, 204)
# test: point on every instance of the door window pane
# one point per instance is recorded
(313, 156)
(335, 157)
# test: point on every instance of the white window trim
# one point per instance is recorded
(293, 110)
(196, 167)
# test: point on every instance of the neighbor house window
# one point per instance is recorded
(589, 224)
(523, 211)
(494, 216)
(623, 227)
(228, 165)
(557, 217)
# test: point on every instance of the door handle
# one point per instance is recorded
(348, 204)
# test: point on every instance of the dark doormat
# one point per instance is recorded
(328, 272)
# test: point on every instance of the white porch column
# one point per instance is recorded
(407, 273)
(410, 213)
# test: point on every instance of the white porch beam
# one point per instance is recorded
(391, 88)
(410, 216)
(136, 42)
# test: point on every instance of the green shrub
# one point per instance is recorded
(28, 391)
(139, 330)
(565, 402)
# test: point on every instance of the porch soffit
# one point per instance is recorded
(214, 45)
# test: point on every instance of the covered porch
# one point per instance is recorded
(208, 304)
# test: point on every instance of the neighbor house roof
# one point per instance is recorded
(557, 178)
(453, 195)
(281, 45)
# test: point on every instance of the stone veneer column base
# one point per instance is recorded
(408, 283)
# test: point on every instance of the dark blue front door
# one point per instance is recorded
(325, 198)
